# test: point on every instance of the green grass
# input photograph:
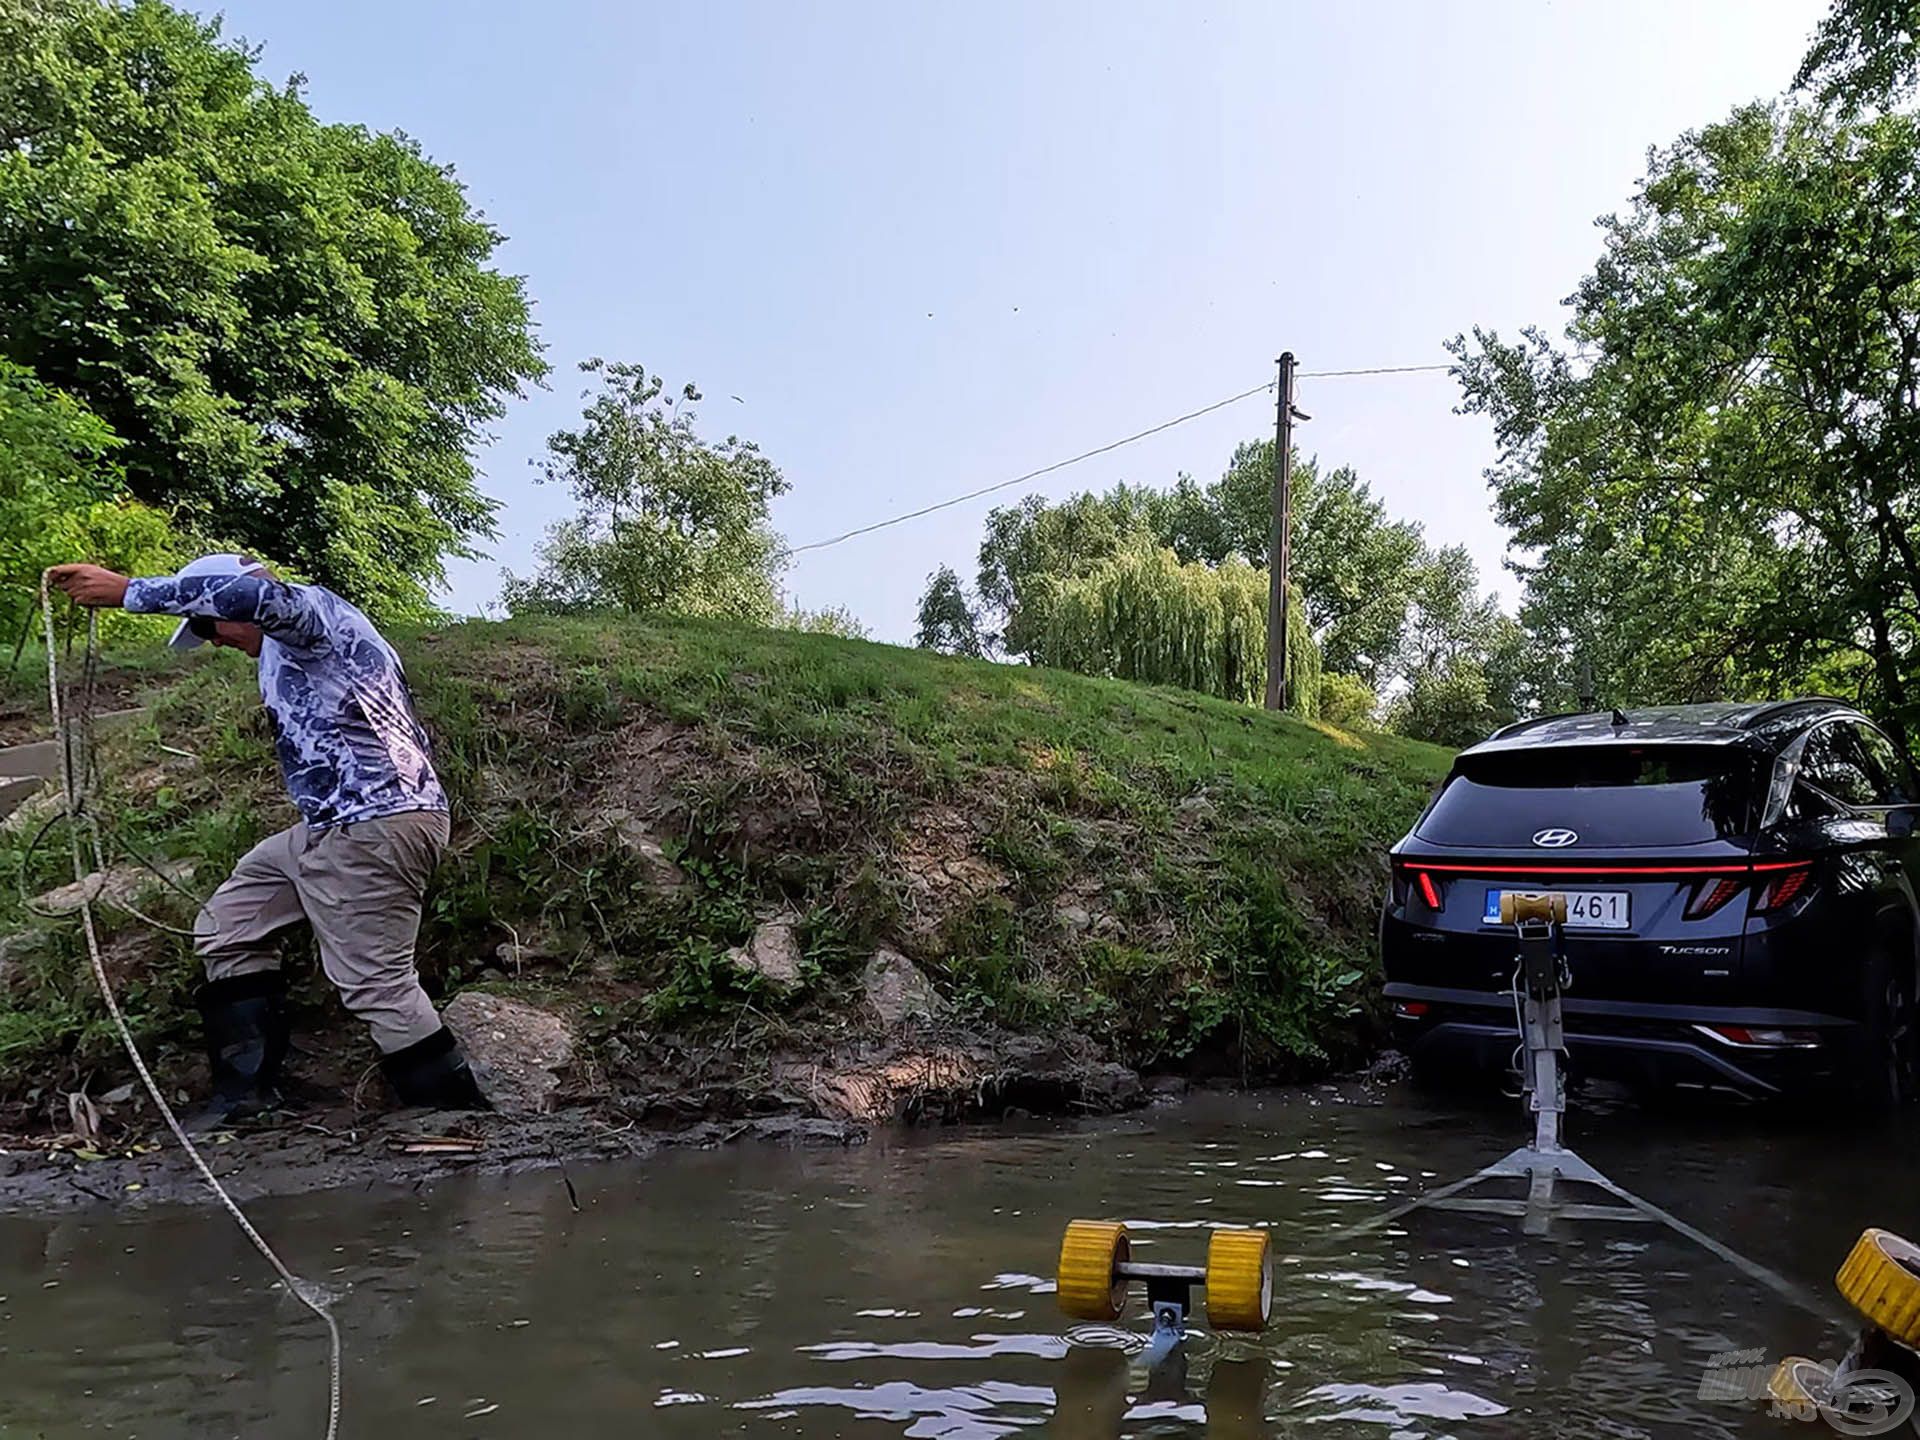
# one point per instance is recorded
(1184, 879)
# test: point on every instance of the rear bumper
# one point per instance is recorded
(1473, 1030)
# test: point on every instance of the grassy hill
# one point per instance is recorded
(1183, 881)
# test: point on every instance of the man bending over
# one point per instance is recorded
(373, 820)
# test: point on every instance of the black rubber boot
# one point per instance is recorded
(245, 1018)
(434, 1073)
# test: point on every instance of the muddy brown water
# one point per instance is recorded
(904, 1289)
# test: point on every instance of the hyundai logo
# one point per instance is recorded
(1555, 839)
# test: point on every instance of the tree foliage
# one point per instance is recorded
(668, 521)
(1378, 600)
(947, 621)
(1140, 614)
(293, 328)
(1865, 53)
(1716, 483)
(832, 620)
(1348, 702)
(60, 495)
(1449, 705)
(1028, 548)
(1354, 565)
(1447, 616)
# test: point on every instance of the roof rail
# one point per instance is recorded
(1779, 707)
(1516, 726)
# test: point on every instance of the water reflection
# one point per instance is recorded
(1102, 1392)
(906, 1290)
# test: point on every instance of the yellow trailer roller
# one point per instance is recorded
(1097, 1266)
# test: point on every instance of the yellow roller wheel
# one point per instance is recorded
(1088, 1288)
(1881, 1279)
(1798, 1382)
(1516, 907)
(1239, 1280)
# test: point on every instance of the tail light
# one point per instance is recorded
(1410, 1009)
(1408, 882)
(1781, 889)
(1762, 1037)
(1711, 895)
(1429, 891)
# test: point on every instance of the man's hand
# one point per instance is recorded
(90, 584)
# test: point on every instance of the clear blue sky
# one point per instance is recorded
(931, 247)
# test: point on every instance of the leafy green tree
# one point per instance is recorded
(1142, 615)
(1348, 702)
(947, 621)
(1509, 660)
(1447, 616)
(61, 498)
(833, 620)
(1355, 566)
(1229, 516)
(1448, 705)
(668, 521)
(1375, 600)
(1866, 52)
(1357, 569)
(1717, 483)
(293, 328)
(1030, 546)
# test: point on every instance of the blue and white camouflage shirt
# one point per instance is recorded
(350, 745)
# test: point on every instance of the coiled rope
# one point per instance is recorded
(79, 814)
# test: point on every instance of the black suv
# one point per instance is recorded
(1741, 888)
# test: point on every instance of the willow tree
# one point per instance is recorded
(1142, 615)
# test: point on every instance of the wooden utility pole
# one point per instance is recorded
(1280, 544)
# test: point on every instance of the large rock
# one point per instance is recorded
(26, 802)
(628, 830)
(119, 886)
(888, 1081)
(518, 1051)
(774, 951)
(884, 1088)
(897, 991)
(1074, 917)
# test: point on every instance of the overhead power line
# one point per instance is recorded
(1376, 370)
(1032, 474)
(948, 504)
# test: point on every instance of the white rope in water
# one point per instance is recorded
(308, 1295)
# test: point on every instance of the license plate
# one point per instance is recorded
(1586, 909)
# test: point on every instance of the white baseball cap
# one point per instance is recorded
(223, 564)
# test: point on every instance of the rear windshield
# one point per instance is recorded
(1613, 795)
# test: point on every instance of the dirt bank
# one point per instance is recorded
(301, 1153)
(117, 1152)
(330, 1149)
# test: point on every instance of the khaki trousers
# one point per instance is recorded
(360, 887)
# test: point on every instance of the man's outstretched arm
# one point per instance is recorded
(92, 585)
(279, 609)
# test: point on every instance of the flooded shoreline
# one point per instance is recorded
(904, 1287)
